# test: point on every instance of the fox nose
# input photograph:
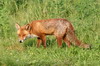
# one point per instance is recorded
(21, 41)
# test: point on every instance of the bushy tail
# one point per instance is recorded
(73, 39)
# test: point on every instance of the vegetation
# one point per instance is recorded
(83, 14)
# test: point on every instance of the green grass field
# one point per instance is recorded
(83, 14)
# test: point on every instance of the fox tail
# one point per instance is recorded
(73, 39)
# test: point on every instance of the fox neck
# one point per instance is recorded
(32, 34)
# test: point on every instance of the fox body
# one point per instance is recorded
(62, 29)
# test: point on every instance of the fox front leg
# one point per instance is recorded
(38, 42)
(43, 40)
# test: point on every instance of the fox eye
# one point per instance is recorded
(24, 35)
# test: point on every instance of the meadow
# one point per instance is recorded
(83, 14)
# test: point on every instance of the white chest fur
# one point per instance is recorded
(32, 36)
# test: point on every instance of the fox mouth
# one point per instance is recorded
(28, 36)
(21, 41)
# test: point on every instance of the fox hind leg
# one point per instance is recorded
(59, 41)
(68, 43)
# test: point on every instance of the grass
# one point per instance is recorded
(84, 15)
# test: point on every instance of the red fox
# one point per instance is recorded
(62, 29)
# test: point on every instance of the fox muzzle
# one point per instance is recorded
(21, 41)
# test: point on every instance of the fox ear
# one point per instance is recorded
(17, 26)
(27, 27)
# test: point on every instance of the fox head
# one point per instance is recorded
(23, 32)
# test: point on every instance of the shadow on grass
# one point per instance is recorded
(29, 42)
(33, 42)
(49, 43)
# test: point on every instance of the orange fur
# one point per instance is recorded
(62, 29)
